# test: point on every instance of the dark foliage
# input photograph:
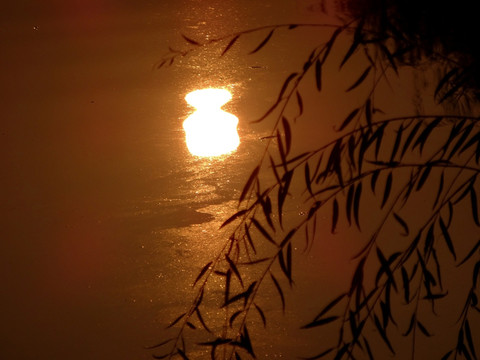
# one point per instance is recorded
(391, 159)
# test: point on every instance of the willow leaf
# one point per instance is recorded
(388, 188)
(318, 75)
(474, 204)
(356, 204)
(334, 215)
(349, 203)
(447, 238)
(191, 41)
(230, 44)
(263, 43)
(402, 223)
(318, 356)
(262, 230)
(406, 285)
(234, 217)
(288, 134)
(279, 289)
(348, 119)
(176, 320)
(469, 255)
(234, 269)
(300, 103)
(262, 315)
(249, 184)
(360, 79)
(202, 272)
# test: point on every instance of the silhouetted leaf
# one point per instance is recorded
(389, 56)
(474, 204)
(413, 321)
(475, 248)
(447, 355)
(470, 342)
(388, 188)
(249, 183)
(279, 289)
(396, 145)
(202, 272)
(230, 44)
(410, 137)
(383, 333)
(423, 329)
(200, 318)
(320, 322)
(249, 238)
(422, 138)
(262, 315)
(176, 320)
(356, 204)
(300, 103)
(330, 42)
(349, 203)
(285, 85)
(461, 140)
(330, 305)
(190, 325)
(424, 176)
(243, 295)
(308, 181)
(476, 272)
(439, 192)
(373, 180)
(234, 217)
(360, 79)
(282, 193)
(234, 316)
(263, 43)
(369, 350)
(402, 223)
(158, 345)
(288, 134)
(444, 80)
(357, 279)
(191, 41)
(262, 230)
(234, 269)
(245, 342)
(368, 111)
(266, 114)
(475, 139)
(348, 119)
(318, 356)
(406, 285)
(429, 239)
(447, 238)
(357, 39)
(318, 75)
(281, 150)
(334, 215)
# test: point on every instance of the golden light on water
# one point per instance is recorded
(210, 131)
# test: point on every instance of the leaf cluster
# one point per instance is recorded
(393, 161)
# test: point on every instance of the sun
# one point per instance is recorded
(210, 131)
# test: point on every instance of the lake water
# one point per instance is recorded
(106, 218)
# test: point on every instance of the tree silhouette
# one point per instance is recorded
(374, 160)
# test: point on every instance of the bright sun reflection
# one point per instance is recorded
(210, 131)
